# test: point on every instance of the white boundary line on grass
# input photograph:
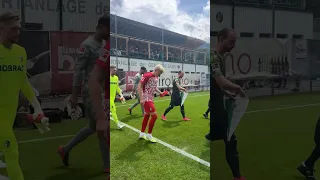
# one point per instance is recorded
(199, 160)
(28, 141)
(166, 144)
(178, 150)
(282, 108)
(45, 139)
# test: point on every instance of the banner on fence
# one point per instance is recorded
(134, 64)
(165, 80)
(64, 48)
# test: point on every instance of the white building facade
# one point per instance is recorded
(258, 22)
(59, 15)
(256, 46)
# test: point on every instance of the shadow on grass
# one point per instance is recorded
(124, 120)
(205, 155)
(77, 173)
(131, 153)
(116, 130)
(299, 178)
(131, 117)
(208, 118)
(171, 124)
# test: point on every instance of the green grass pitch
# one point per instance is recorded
(274, 136)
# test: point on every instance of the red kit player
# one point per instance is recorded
(147, 87)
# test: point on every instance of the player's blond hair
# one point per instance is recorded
(159, 67)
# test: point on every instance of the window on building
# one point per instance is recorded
(297, 36)
(214, 33)
(246, 34)
(282, 36)
(265, 35)
(33, 26)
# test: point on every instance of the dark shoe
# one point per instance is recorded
(205, 115)
(63, 155)
(208, 137)
(307, 172)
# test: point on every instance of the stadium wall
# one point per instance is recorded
(77, 15)
(317, 35)
(132, 64)
(253, 57)
(64, 47)
(256, 20)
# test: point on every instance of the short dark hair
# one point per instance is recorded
(224, 33)
(179, 72)
(104, 20)
(143, 68)
(8, 16)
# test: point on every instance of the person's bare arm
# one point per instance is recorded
(179, 87)
(226, 84)
(97, 77)
(229, 94)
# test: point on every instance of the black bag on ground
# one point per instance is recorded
(55, 115)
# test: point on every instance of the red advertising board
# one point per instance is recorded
(129, 80)
(64, 48)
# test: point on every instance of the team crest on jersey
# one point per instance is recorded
(7, 144)
(104, 55)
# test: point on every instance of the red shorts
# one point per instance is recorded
(149, 107)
